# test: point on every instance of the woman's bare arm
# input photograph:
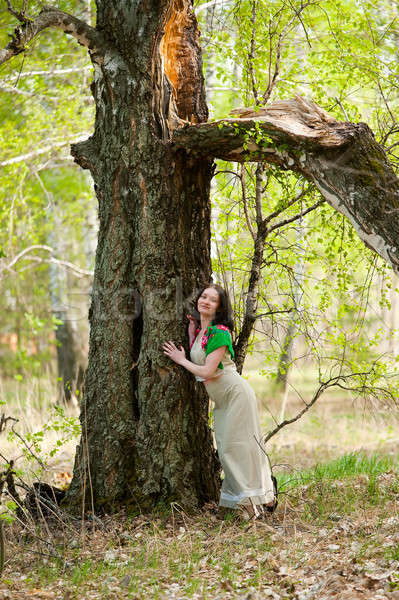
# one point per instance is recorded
(209, 368)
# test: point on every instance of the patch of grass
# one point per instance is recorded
(392, 553)
(330, 491)
(349, 465)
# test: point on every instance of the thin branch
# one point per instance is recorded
(77, 271)
(391, 147)
(278, 211)
(11, 89)
(3, 423)
(342, 108)
(334, 381)
(226, 171)
(39, 460)
(272, 79)
(40, 151)
(25, 251)
(207, 5)
(18, 15)
(62, 263)
(296, 217)
(274, 312)
(50, 73)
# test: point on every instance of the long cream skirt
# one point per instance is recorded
(247, 476)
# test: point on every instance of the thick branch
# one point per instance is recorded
(52, 17)
(253, 134)
(345, 162)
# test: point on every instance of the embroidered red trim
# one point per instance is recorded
(195, 337)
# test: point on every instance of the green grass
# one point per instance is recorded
(349, 465)
(338, 488)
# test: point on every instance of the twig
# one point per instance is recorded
(52, 73)
(39, 460)
(251, 54)
(296, 217)
(40, 151)
(278, 211)
(342, 108)
(334, 381)
(25, 251)
(77, 271)
(62, 263)
(286, 422)
(274, 312)
(9, 479)
(18, 15)
(3, 423)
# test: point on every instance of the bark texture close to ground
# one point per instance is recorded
(343, 159)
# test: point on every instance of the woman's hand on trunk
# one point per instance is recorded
(178, 356)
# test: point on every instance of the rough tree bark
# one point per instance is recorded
(145, 436)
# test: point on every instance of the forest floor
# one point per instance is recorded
(334, 535)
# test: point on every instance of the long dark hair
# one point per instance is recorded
(224, 312)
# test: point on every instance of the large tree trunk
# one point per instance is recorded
(145, 435)
(344, 160)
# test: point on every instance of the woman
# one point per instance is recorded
(247, 478)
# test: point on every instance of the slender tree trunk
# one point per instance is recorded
(285, 356)
(251, 301)
(145, 435)
(70, 359)
(297, 292)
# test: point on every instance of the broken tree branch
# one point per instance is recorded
(345, 162)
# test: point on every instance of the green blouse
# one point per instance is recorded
(215, 337)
